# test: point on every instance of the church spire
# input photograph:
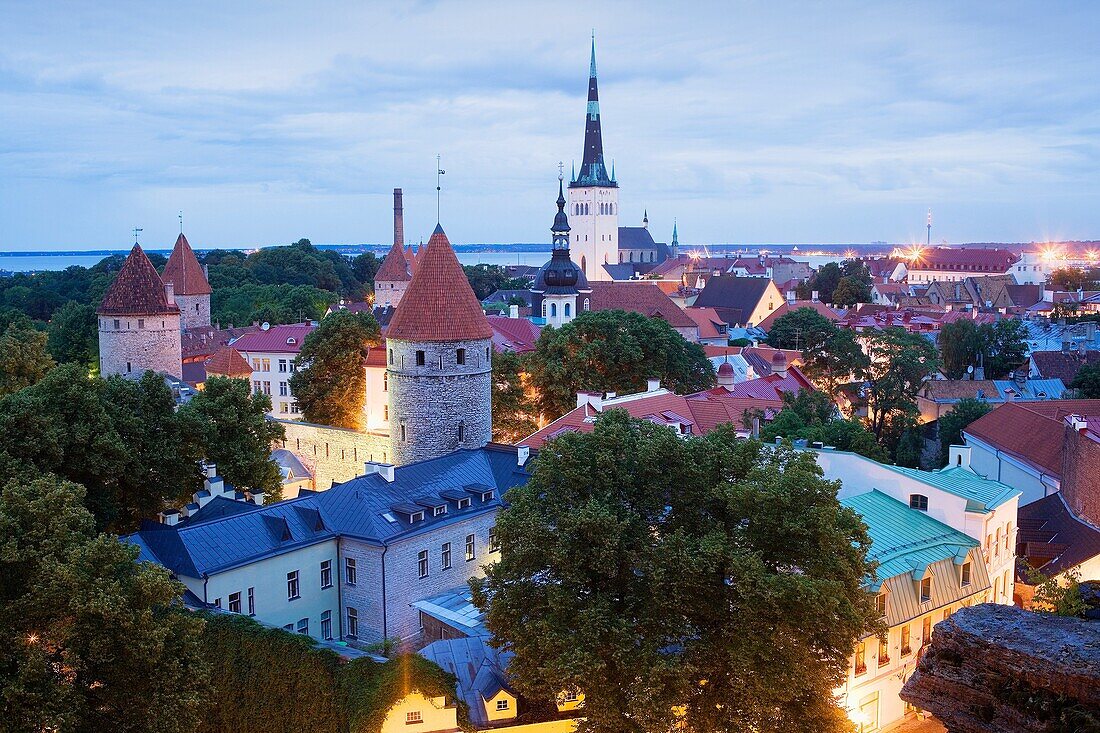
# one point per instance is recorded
(593, 169)
(560, 230)
(675, 247)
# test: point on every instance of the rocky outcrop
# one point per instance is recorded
(999, 669)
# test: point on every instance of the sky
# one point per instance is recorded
(746, 122)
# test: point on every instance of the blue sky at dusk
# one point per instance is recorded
(748, 122)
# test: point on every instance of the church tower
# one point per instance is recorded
(139, 322)
(559, 283)
(192, 291)
(438, 361)
(594, 196)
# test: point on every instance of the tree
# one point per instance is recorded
(487, 279)
(365, 267)
(636, 564)
(330, 383)
(899, 364)
(73, 334)
(612, 351)
(236, 434)
(24, 359)
(960, 344)
(1087, 382)
(951, 425)
(513, 414)
(812, 416)
(1055, 597)
(850, 291)
(836, 361)
(825, 281)
(799, 328)
(1005, 346)
(88, 638)
(1070, 278)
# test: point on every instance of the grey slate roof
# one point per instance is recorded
(356, 508)
(481, 671)
(735, 298)
(456, 609)
(636, 238)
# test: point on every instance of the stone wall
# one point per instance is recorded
(1081, 474)
(333, 455)
(429, 402)
(194, 310)
(130, 345)
(389, 292)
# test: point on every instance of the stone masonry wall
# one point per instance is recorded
(389, 292)
(333, 455)
(1081, 474)
(140, 343)
(194, 310)
(431, 401)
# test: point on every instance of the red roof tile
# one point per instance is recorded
(138, 290)
(708, 321)
(439, 304)
(514, 334)
(395, 267)
(1032, 430)
(184, 271)
(970, 260)
(1062, 365)
(1052, 538)
(638, 297)
(205, 340)
(285, 339)
(787, 307)
(228, 362)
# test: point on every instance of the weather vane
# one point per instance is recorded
(137, 231)
(181, 222)
(438, 172)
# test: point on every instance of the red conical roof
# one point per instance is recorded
(184, 271)
(138, 290)
(439, 304)
(395, 268)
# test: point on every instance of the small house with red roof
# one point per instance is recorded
(272, 351)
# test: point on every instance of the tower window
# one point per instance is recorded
(391, 356)
(116, 324)
(385, 381)
(141, 323)
(586, 304)
(461, 432)
(460, 356)
(566, 312)
(128, 367)
(441, 362)
(420, 358)
(404, 434)
(553, 310)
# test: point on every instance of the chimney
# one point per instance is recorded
(211, 470)
(523, 452)
(590, 398)
(385, 470)
(791, 297)
(398, 219)
(652, 384)
(171, 518)
(958, 455)
(814, 295)
(170, 293)
(513, 311)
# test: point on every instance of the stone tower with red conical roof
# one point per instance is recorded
(395, 273)
(439, 361)
(139, 322)
(188, 280)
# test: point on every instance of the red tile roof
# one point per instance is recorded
(138, 290)
(203, 341)
(968, 260)
(439, 304)
(285, 339)
(395, 267)
(513, 334)
(708, 321)
(1052, 539)
(184, 271)
(1063, 365)
(638, 297)
(1031, 431)
(787, 307)
(228, 362)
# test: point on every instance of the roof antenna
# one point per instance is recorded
(438, 172)
(137, 231)
(181, 222)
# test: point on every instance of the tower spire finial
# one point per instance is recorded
(438, 189)
(592, 66)
(181, 222)
(137, 231)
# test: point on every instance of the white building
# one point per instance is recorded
(272, 352)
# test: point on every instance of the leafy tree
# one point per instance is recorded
(812, 416)
(365, 267)
(799, 328)
(636, 564)
(850, 291)
(88, 639)
(251, 303)
(513, 414)
(236, 434)
(612, 351)
(1087, 382)
(330, 384)
(1005, 346)
(836, 361)
(910, 448)
(825, 281)
(899, 363)
(1071, 278)
(952, 424)
(487, 279)
(960, 344)
(1058, 598)
(24, 359)
(73, 334)
(303, 264)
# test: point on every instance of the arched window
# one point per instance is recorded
(566, 311)
(553, 310)
(631, 256)
(544, 309)
(586, 303)
(584, 264)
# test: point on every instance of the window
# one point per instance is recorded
(282, 389)
(391, 356)
(326, 625)
(116, 324)
(413, 717)
(445, 557)
(349, 570)
(282, 365)
(906, 649)
(487, 496)
(469, 547)
(284, 408)
(502, 704)
(441, 361)
(404, 434)
(217, 603)
(386, 412)
(292, 585)
(884, 651)
(463, 503)
(129, 368)
(926, 589)
(303, 626)
(353, 622)
(997, 541)
(326, 573)
(926, 630)
(267, 365)
(565, 311)
(918, 501)
(494, 543)
(460, 356)
(385, 381)
(439, 510)
(1008, 535)
(461, 431)
(267, 387)
(553, 310)
(880, 604)
(422, 564)
(141, 323)
(420, 358)
(965, 579)
(251, 601)
(861, 658)
(235, 602)
(586, 303)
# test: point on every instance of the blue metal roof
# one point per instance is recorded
(356, 508)
(981, 494)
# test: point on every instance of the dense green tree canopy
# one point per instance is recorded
(900, 362)
(330, 383)
(812, 416)
(612, 351)
(251, 303)
(88, 641)
(487, 279)
(635, 564)
(513, 412)
(24, 358)
(952, 424)
(831, 356)
(799, 329)
(74, 334)
(1087, 382)
(1002, 347)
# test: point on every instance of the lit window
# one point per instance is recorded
(905, 647)
(494, 542)
(861, 658)
(292, 585)
(880, 604)
(349, 570)
(422, 564)
(926, 590)
(965, 581)
(470, 554)
(883, 652)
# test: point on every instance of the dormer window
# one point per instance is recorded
(463, 503)
(487, 496)
(964, 575)
(416, 517)
(926, 589)
(880, 603)
(918, 502)
(291, 341)
(439, 510)
(502, 704)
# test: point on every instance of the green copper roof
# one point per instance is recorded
(905, 540)
(981, 494)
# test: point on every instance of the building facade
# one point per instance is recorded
(273, 353)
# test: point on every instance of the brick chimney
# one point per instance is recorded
(1081, 469)
(398, 219)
